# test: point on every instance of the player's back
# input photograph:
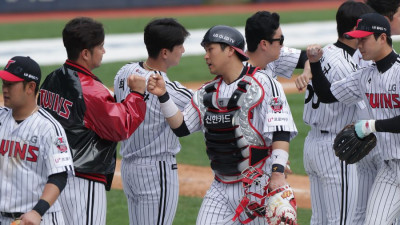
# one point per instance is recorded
(153, 136)
(336, 63)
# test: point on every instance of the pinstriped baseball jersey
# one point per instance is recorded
(153, 136)
(380, 92)
(336, 64)
(266, 117)
(284, 65)
(29, 152)
(287, 62)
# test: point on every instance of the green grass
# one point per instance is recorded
(117, 210)
(53, 28)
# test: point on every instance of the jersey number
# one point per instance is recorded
(311, 96)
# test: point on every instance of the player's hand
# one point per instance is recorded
(314, 53)
(277, 180)
(31, 218)
(137, 83)
(364, 127)
(156, 85)
(303, 80)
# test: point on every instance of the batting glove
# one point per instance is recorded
(364, 127)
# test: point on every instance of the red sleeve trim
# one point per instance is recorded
(93, 177)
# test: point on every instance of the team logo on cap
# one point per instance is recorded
(226, 38)
(9, 63)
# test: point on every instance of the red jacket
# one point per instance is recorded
(92, 120)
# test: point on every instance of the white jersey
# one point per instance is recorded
(379, 91)
(284, 65)
(336, 64)
(267, 116)
(29, 153)
(153, 136)
(287, 62)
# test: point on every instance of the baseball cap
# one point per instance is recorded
(21, 68)
(368, 24)
(227, 35)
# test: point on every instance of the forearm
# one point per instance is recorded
(321, 84)
(303, 60)
(388, 125)
(171, 112)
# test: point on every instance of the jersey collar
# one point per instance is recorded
(384, 64)
(75, 66)
(345, 47)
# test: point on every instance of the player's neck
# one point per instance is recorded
(232, 72)
(155, 65)
(352, 43)
(25, 111)
(258, 60)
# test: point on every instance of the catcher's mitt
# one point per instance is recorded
(349, 147)
(281, 206)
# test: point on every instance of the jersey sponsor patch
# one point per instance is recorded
(60, 143)
(274, 119)
(276, 104)
(62, 159)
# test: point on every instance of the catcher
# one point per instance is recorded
(244, 116)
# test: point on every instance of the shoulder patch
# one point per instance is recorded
(276, 104)
(60, 143)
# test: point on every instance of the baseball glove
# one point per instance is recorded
(281, 206)
(349, 147)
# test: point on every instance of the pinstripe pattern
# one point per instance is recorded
(287, 62)
(320, 163)
(28, 155)
(323, 169)
(262, 112)
(369, 82)
(384, 200)
(152, 189)
(149, 171)
(379, 91)
(88, 200)
(222, 199)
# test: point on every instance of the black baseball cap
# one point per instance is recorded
(21, 68)
(368, 24)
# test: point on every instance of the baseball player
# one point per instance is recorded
(34, 154)
(257, 26)
(93, 121)
(149, 153)
(376, 85)
(324, 169)
(265, 121)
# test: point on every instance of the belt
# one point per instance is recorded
(13, 215)
(324, 132)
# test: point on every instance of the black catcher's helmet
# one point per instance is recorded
(227, 35)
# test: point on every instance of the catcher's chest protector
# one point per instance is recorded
(232, 142)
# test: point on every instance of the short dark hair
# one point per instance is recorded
(82, 33)
(348, 14)
(385, 7)
(260, 26)
(389, 40)
(163, 33)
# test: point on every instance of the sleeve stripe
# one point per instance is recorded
(51, 119)
(182, 90)
(275, 91)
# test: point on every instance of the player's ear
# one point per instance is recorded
(85, 54)
(164, 53)
(30, 87)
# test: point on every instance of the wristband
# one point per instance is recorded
(278, 168)
(136, 92)
(41, 207)
(168, 107)
(280, 156)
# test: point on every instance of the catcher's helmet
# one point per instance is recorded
(227, 35)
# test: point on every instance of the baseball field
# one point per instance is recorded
(191, 69)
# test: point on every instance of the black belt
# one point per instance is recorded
(13, 215)
(324, 132)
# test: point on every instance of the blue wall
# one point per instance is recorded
(10, 6)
